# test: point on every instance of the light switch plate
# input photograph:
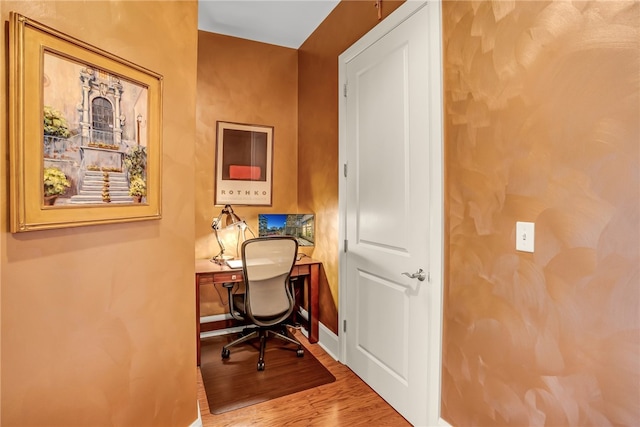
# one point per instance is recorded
(525, 236)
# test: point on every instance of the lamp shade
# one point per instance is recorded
(231, 219)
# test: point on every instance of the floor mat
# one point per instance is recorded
(235, 382)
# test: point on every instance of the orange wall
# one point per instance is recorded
(541, 125)
(243, 81)
(542, 117)
(97, 322)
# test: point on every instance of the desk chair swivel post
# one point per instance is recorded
(268, 298)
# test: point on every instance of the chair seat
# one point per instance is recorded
(238, 302)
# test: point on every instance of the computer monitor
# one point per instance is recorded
(300, 226)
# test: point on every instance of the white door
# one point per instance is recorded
(389, 208)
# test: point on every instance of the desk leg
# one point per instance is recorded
(314, 303)
(198, 318)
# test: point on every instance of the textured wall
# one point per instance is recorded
(542, 116)
(318, 132)
(243, 81)
(97, 322)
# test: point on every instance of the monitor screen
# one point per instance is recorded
(300, 226)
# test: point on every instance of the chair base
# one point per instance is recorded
(263, 333)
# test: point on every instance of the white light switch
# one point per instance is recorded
(525, 236)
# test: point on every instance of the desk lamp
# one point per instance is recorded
(228, 219)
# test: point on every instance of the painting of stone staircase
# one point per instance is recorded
(103, 187)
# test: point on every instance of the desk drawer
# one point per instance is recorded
(219, 277)
(301, 270)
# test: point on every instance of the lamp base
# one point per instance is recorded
(221, 259)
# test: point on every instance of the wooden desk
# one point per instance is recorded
(306, 267)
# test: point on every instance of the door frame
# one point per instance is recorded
(436, 184)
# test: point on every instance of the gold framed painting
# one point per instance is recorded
(85, 133)
(244, 164)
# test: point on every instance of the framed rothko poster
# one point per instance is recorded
(244, 164)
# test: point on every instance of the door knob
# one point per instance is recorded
(420, 275)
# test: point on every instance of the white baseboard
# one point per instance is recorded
(218, 318)
(198, 421)
(326, 338)
(227, 316)
(218, 332)
(328, 341)
(215, 318)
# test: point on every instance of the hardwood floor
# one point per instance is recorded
(346, 402)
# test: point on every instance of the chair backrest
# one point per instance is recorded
(267, 264)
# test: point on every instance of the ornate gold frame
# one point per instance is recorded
(29, 42)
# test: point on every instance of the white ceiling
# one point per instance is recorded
(285, 23)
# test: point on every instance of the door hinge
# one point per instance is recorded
(346, 245)
(344, 325)
(344, 90)
(345, 170)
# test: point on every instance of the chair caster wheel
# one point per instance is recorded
(225, 353)
(260, 366)
(300, 352)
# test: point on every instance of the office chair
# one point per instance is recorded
(268, 298)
